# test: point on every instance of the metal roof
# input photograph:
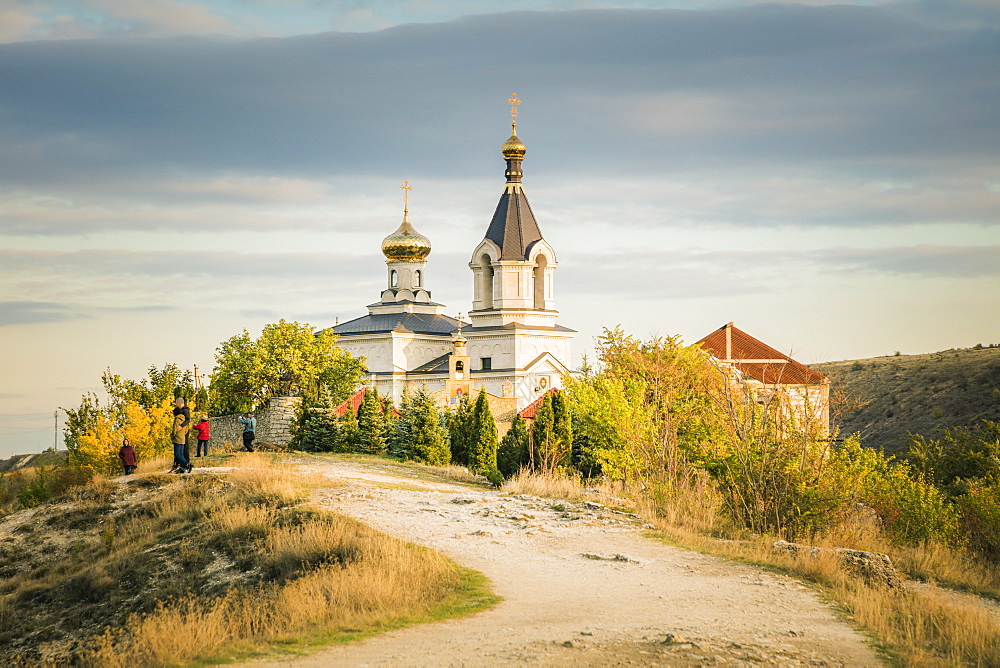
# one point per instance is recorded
(418, 323)
(757, 359)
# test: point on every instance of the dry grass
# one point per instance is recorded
(923, 626)
(265, 572)
(351, 581)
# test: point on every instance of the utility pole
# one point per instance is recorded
(55, 433)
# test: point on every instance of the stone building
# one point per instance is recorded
(512, 347)
(804, 393)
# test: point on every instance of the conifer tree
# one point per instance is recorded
(513, 451)
(319, 430)
(401, 432)
(482, 444)
(428, 442)
(371, 424)
(459, 424)
(349, 435)
(562, 429)
(542, 435)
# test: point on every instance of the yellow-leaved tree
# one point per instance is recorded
(147, 430)
(140, 411)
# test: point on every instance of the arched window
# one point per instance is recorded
(487, 287)
(538, 274)
(393, 279)
(416, 278)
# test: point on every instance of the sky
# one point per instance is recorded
(824, 175)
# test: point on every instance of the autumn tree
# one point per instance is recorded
(287, 359)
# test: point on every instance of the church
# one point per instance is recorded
(512, 347)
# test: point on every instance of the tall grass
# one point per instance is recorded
(216, 566)
(921, 626)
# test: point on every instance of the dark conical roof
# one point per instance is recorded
(513, 227)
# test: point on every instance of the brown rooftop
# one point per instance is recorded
(756, 359)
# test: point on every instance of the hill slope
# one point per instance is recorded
(883, 398)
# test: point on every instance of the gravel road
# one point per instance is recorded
(581, 586)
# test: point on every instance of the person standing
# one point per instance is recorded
(182, 423)
(249, 423)
(127, 455)
(204, 435)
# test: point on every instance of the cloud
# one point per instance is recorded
(696, 273)
(780, 114)
(29, 312)
(812, 83)
(923, 261)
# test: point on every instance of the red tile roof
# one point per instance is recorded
(757, 359)
(529, 411)
(354, 401)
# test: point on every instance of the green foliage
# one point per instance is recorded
(610, 418)
(957, 456)
(979, 509)
(166, 383)
(482, 435)
(913, 510)
(401, 433)
(140, 411)
(459, 427)
(320, 428)
(371, 436)
(513, 451)
(288, 359)
(552, 433)
(428, 443)
(349, 436)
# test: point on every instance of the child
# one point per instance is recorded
(203, 428)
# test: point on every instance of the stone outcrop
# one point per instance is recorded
(874, 568)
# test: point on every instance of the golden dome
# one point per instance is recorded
(513, 148)
(406, 244)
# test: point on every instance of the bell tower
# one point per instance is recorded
(513, 265)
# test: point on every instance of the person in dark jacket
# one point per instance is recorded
(127, 455)
(249, 423)
(204, 435)
(182, 424)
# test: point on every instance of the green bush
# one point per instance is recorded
(980, 516)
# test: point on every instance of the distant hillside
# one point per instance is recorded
(47, 458)
(913, 393)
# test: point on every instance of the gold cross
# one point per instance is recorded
(513, 107)
(406, 194)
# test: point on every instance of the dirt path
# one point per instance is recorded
(581, 587)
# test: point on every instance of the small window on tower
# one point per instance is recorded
(416, 278)
(487, 363)
(393, 279)
(459, 365)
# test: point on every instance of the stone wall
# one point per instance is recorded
(274, 423)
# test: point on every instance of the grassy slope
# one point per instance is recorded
(206, 566)
(914, 393)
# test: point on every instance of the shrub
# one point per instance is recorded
(482, 441)
(513, 451)
(980, 516)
